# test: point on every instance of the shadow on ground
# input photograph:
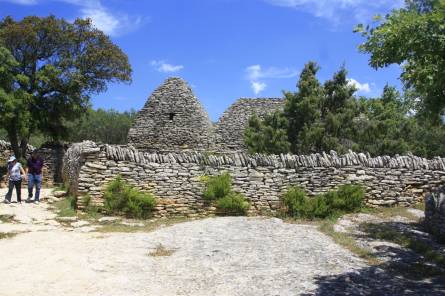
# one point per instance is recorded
(414, 264)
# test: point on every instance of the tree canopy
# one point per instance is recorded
(58, 66)
(322, 117)
(413, 37)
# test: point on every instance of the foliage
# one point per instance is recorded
(106, 126)
(219, 189)
(269, 136)
(346, 199)
(232, 204)
(58, 66)
(14, 101)
(327, 117)
(218, 186)
(66, 207)
(120, 197)
(413, 37)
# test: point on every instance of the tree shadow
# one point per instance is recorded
(413, 264)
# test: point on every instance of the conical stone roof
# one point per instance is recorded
(172, 119)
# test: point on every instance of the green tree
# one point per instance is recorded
(106, 126)
(64, 63)
(303, 109)
(268, 136)
(384, 126)
(414, 37)
(14, 114)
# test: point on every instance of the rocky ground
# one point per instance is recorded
(55, 255)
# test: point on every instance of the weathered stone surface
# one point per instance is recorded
(172, 119)
(176, 178)
(229, 131)
(435, 212)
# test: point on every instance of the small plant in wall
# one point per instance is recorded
(219, 189)
(122, 198)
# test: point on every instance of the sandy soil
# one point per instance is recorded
(215, 256)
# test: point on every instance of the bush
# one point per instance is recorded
(350, 198)
(346, 199)
(232, 204)
(120, 197)
(218, 186)
(295, 201)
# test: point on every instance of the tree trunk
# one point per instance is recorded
(13, 139)
(23, 147)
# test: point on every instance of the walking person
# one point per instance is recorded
(15, 174)
(34, 171)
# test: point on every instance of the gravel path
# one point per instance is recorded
(214, 256)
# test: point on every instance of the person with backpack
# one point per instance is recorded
(14, 175)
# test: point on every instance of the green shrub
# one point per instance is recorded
(218, 186)
(346, 199)
(232, 204)
(295, 201)
(350, 198)
(120, 197)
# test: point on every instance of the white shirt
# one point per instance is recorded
(14, 172)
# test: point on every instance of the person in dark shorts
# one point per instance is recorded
(15, 173)
(34, 171)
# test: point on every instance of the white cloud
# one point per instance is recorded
(113, 24)
(255, 74)
(361, 87)
(331, 9)
(257, 86)
(164, 67)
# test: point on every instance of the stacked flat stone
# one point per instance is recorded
(229, 131)
(173, 119)
(176, 178)
(435, 212)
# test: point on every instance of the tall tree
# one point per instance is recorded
(303, 108)
(414, 37)
(64, 63)
(14, 113)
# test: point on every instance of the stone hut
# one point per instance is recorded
(229, 131)
(172, 119)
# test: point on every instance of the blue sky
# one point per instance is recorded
(225, 49)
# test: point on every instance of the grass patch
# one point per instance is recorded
(5, 235)
(388, 212)
(66, 207)
(148, 226)
(161, 251)
(7, 218)
(346, 241)
(386, 233)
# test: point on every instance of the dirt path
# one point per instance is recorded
(214, 256)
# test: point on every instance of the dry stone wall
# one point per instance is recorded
(176, 178)
(229, 131)
(435, 212)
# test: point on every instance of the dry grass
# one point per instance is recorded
(347, 241)
(5, 235)
(148, 226)
(161, 251)
(388, 212)
(7, 218)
